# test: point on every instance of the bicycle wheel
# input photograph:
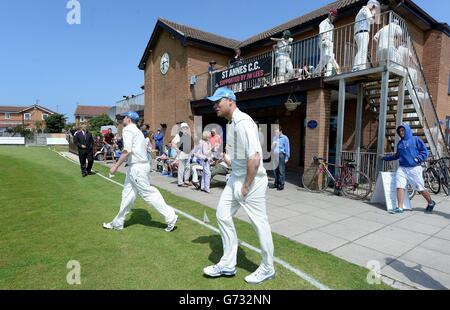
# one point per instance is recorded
(445, 187)
(315, 180)
(432, 180)
(356, 185)
(411, 191)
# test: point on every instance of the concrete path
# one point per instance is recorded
(412, 249)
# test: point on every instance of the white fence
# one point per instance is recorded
(12, 141)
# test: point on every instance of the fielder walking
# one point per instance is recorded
(246, 188)
(327, 58)
(137, 179)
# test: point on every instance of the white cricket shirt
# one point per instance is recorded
(242, 143)
(134, 143)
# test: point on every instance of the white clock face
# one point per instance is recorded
(165, 63)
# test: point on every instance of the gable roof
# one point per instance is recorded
(17, 109)
(91, 110)
(11, 109)
(299, 21)
(187, 34)
(36, 106)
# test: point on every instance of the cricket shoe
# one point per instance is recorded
(171, 225)
(260, 275)
(111, 226)
(216, 271)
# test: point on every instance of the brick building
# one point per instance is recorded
(84, 113)
(176, 61)
(29, 117)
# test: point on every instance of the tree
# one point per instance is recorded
(38, 125)
(97, 122)
(55, 123)
(21, 131)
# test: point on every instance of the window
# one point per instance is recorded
(449, 83)
(82, 119)
(27, 116)
(7, 115)
(44, 117)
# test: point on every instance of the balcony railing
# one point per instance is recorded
(306, 55)
(133, 103)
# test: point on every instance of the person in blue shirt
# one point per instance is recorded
(159, 141)
(281, 153)
(411, 153)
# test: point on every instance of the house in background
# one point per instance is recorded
(84, 113)
(29, 117)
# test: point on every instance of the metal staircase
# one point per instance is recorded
(408, 98)
(409, 115)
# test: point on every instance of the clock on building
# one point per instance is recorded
(165, 63)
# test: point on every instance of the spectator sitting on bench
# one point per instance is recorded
(220, 167)
(196, 168)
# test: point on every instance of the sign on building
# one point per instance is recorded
(247, 71)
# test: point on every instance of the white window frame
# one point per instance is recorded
(44, 117)
(7, 115)
(82, 119)
(25, 116)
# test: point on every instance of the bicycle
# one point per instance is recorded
(353, 184)
(431, 177)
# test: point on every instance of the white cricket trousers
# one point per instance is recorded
(254, 205)
(327, 59)
(137, 182)
(362, 43)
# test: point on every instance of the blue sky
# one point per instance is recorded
(95, 63)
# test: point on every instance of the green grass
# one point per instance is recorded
(50, 215)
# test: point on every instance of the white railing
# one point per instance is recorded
(336, 52)
(133, 103)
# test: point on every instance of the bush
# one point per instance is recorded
(55, 123)
(96, 123)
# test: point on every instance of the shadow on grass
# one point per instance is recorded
(215, 244)
(142, 217)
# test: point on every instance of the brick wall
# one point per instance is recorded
(437, 70)
(166, 97)
(316, 140)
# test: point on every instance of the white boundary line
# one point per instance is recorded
(283, 263)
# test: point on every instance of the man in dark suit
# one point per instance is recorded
(85, 143)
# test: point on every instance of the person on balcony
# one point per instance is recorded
(237, 61)
(327, 59)
(367, 16)
(387, 39)
(283, 62)
(411, 153)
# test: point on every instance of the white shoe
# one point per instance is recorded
(218, 271)
(171, 225)
(111, 226)
(260, 275)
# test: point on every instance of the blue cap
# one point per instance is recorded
(222, 92)
(132, 115)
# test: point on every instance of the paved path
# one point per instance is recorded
(412, 249)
